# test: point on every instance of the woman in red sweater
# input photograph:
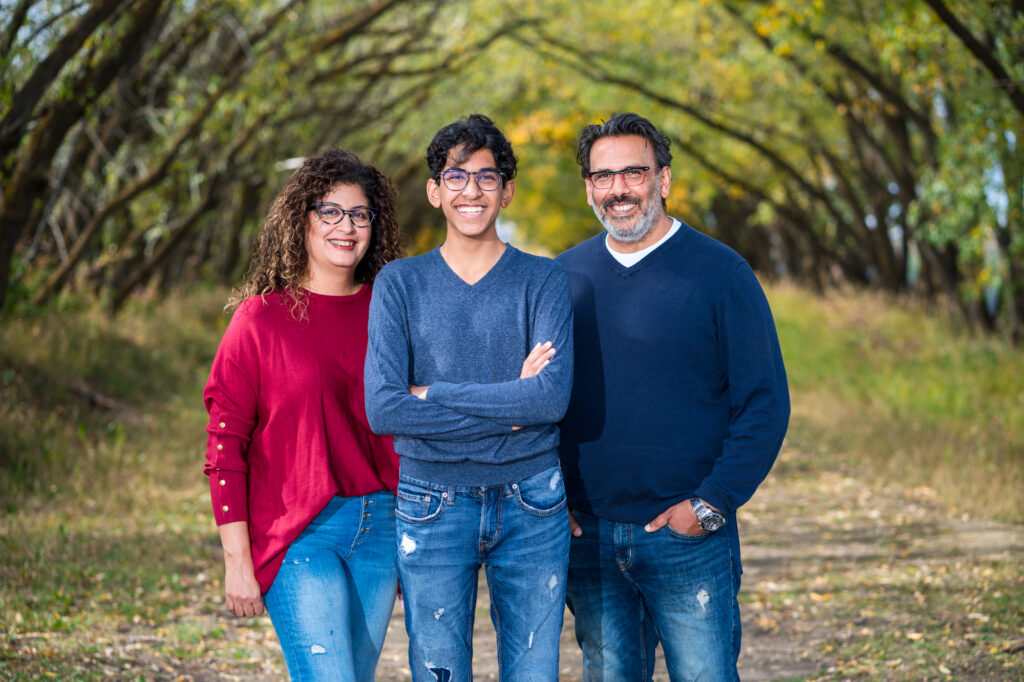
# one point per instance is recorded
(301, 488)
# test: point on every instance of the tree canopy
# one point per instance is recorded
(873, 142)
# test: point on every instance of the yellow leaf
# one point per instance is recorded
(783, 49)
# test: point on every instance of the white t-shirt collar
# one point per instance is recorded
(630, 259)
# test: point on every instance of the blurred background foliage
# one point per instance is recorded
(866, 142)
(864, 154)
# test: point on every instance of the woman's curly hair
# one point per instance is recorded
(280, 261)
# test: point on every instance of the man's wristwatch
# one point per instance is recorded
(708, 518)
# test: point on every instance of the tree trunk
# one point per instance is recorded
(28, 182)
(247, 196)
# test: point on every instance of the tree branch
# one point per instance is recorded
(15, 121)
(1002, 77)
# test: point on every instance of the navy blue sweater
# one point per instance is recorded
(468, 343)
(679, 385)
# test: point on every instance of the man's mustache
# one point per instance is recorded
(620, 199)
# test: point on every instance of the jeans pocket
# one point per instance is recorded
(694, 539)
(416, 503)
(542, 494)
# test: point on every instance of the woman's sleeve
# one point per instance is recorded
(232, 399)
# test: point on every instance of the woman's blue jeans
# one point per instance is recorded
(332, 599)
(520, 533)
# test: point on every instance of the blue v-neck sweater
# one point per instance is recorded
(679, 385)
(428, 327)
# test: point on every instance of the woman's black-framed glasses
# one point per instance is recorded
(634, 175)
(332, 214)
(456, 179)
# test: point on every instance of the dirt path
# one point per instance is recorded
(844, 578)
(816, 547)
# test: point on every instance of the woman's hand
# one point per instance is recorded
(242, 592)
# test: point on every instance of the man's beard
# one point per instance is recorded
(643, 224)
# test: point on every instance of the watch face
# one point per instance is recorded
(709, 519)
(712, 522)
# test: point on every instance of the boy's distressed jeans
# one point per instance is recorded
(520, 533)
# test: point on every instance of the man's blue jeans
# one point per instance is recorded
(520, 533)
(628, 589)
(332, 599)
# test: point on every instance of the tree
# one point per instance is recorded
(835, 121)
(125, 163)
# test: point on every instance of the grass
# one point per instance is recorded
(898, 396)
(981, 636)
(110, 564)
(106, 527)
(878, 583)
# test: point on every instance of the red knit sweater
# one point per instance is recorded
(288, 426)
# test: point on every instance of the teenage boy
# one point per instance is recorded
(462, 369)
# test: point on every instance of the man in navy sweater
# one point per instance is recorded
(462, 369)
(678, 411)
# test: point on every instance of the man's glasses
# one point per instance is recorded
(456, 179)
(332, 214)
(634, 175)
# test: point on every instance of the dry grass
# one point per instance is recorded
(894, 394)
(109, 562)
